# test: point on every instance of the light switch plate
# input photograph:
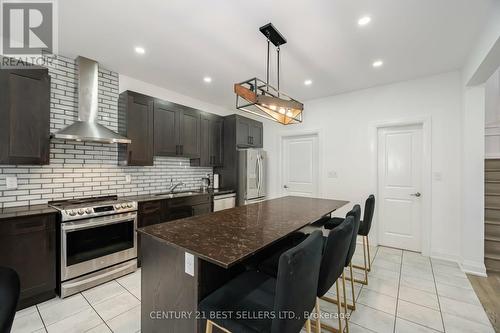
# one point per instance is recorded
(128, 179)
(438, 176)
(189, 263)
(332, 174)
(11, 183)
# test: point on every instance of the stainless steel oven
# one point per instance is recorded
(98, 243)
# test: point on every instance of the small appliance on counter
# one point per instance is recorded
(216, 181)
(205, 183)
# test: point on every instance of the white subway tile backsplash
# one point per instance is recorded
(89, 169)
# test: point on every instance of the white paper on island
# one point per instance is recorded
(189, 263)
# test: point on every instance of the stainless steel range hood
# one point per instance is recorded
(86, 128)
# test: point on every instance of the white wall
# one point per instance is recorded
(483, 61)
(472, 230)
(346, 124)
(128, 83)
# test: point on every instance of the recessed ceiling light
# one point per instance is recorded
(308, 82)
(377, 63)
(207, 79)
(364, 20)
(140, 50)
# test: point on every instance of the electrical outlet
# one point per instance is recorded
(11, 182)
(128, 179)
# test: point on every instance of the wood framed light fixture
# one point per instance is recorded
(260, 98)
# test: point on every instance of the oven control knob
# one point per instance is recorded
(81, 212)
(88, 211)
(129, 205)
(124, 206)
(118, 206)
(71, 212)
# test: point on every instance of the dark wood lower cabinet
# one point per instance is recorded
(28, 245)
(164, 210)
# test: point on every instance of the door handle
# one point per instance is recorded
(418, 194)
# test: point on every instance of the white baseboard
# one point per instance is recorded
(473, 267)
(441, 255)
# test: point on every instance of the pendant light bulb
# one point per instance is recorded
(282, 110)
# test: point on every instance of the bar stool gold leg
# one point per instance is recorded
(318, 316)
(211, 324)
(308, 325)
(345, 304)
(209, 327)
(369, 259)
(339, 311)
(352, 288)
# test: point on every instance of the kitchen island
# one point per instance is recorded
(185, 260)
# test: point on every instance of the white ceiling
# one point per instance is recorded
(186, 40)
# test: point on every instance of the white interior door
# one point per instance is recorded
(300, 165)
(400, 186)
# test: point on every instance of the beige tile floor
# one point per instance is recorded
(406, 293)
(112, 307)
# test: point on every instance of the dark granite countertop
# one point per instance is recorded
(221, 191)
(229, 236)
(11, 212)
(153, 196)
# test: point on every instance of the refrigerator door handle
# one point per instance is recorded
(260, 173)
(257, 161)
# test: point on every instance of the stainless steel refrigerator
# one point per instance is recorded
(251, 176)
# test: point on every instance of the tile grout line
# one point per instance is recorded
(437, 296)
(41, 318)
(399, 285)
(360, 290)
(128, 290)
(105, 323)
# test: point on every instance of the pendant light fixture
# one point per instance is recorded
(260, 98)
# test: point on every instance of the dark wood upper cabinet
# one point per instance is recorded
(177, 130)
(135, 121)
(189, 133)
(25, 116)
(243, 132)
(28, 245)
(216, 141)
(211, 141)
(256, 134)
(166, 133)
(248, 132)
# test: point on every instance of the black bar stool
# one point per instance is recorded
(335, 252)
(292, 292)
(356, 214)
(364, 229)
(9, 296)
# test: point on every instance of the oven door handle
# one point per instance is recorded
(97, 222)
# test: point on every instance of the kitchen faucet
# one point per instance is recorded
(173, 187)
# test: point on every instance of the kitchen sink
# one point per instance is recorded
(175, 194)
